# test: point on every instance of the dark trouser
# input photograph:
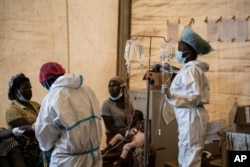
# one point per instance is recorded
(13, 159)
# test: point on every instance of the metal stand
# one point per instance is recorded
(147, 128)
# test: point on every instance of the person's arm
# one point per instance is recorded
(108, 121)
(23, 124)
(46, 133)
(18, 122)
(5, 133)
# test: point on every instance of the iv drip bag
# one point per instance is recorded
(166, 52)
(128, 54)
(163, 53)
(139, 50)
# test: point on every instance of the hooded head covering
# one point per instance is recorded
(119, 80)
(14, 83)
(50, 70)
(201, 46)
(128, 109)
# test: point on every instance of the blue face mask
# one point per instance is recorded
(179, 57)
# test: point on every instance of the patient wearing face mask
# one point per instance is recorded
(117, 114)
(22, 111)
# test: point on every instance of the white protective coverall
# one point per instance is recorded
(189, 91)
(70, 122)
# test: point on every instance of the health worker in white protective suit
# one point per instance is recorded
(188, 93)
(69, 121)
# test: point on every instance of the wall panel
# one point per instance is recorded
(229, 63)
(81, 35)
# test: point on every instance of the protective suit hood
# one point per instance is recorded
(68, 80)
(202, 65)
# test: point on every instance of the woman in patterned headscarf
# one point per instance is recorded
(23, 112)
(117, 111)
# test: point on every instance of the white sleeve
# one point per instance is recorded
(186, 90)
(46, 133)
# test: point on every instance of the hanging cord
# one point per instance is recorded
(158, 127)
(44, 159)
(128, 109)
(162, 102)
(164, 56)
(128, 63)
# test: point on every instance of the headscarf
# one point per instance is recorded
(14, 84)
(118, 79)
(128, 109)
(201, 46)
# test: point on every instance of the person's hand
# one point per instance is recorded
(17, 131)
(165, 91)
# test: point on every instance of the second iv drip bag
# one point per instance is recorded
(134, 48)
(134, 51)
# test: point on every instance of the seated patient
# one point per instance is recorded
(134, 139)
(22, 111)
(10, 153)
(117, 114)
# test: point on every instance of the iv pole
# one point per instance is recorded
(146, 124)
